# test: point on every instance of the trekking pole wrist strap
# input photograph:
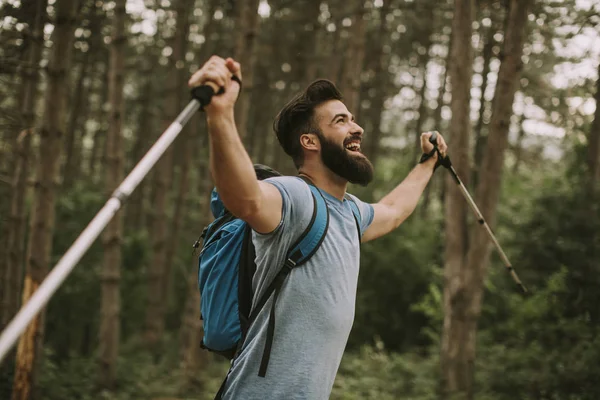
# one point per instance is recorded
(427, 156)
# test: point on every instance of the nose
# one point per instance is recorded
(357, 129)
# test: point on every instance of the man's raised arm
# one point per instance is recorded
(257, 203)
(397, 205)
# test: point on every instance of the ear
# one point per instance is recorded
(310, 141)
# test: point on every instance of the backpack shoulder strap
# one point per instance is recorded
(304, 248)
(356, 213)
(309, 242)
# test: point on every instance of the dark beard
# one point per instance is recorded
(341, 162)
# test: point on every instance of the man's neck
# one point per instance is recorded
(326, 180)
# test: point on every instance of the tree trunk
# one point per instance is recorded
(456, 367)
(42, 217)
(110, 279)
(354, 60)
(594, 142)
(158, 267)
(380, 83)
(69, 168)
(467, 305)
(437, 123)
(16, 230)
(263, 103)
(135, 210)
(192, 356)
(480, 138)
(334, 62)
(99, 133)
(427, 42)
(304, 67)
(180, 211)
(247, 23)
(24, 59)
(17, 223)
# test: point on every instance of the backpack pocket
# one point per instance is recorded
(218, 283)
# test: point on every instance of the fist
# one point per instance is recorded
(427, 146)
(217, 73)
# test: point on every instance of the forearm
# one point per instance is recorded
(231, 167)
(405, 197)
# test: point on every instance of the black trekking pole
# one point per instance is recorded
(445, 162)
(201, 97)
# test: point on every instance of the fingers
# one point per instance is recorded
(234, 67)
(439, 140)
(441, 143)
(215, 70)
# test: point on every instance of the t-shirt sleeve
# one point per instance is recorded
(295, 215)
(366, 213)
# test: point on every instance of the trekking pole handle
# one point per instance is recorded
(444, 161)
(433, 138)
(204, 93)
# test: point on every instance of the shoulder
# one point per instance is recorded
(290, 186)
(296, 196)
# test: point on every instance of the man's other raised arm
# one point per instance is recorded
(257, 203)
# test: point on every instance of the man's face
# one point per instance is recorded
(341, 139)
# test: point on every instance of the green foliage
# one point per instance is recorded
(140, 377)
(374, 373)
(396, 271)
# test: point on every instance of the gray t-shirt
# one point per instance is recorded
(315, 308)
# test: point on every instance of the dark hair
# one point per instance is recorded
(297, 117)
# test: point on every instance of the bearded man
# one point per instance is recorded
(315, 306)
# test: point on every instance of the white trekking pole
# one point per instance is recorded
(201, 97)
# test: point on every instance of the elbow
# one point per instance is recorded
(402, 216)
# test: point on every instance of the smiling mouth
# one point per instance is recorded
(353, 146)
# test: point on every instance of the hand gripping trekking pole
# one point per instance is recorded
(201, 97)
(445, 162)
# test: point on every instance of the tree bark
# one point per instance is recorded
(192, 356)
(304, 69)
(456, 367)
(427, 42)
(110, 279)
(180, 211)
(158, 267)
(467, 302)
(16, 225)
(480, 138)
(42, 217)
(334, 62)
(16, 230)
(247, 23)
(437, 180)
(98, 139)
(380, 84)
(79, 100)
(594, 142)
(135, 210)
(354, 60)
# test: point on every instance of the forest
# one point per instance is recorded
(88, 86)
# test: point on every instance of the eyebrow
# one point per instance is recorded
(342, 115)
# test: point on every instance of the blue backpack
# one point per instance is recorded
(226, 268)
